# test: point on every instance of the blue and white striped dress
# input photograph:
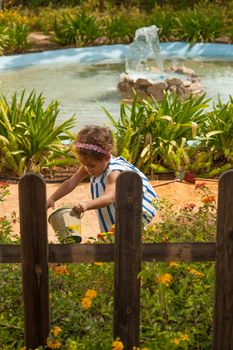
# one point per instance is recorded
(98, 184)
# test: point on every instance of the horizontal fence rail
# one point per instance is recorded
(89, 253)
(127, 253)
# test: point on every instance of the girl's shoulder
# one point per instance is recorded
(117, 163)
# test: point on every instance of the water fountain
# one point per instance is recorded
(145, 73)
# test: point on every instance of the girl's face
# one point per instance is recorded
(94, 167)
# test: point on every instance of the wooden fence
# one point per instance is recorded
(128, 252)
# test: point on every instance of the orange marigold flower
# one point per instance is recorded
(166, 279)
(91, 293)
(86, 303)
(189, 206)
(175, 341)
(208, 199)
(56, 330)
(60, 269)
(53, 344)
(101, 236)
(184, 337)
(117, 345)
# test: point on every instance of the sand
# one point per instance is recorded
(179, 193)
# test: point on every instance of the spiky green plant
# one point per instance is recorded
(29, 135)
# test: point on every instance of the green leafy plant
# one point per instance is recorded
(199, 24)
(4, 39)
(164, 19)
(18, 38)
(176, 297)
(218, 130)
(121, 27)
(150, 132)
(29, 137)
(79, 29)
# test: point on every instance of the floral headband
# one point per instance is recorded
(91, 147)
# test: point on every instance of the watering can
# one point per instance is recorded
(66, 224)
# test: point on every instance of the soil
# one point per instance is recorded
(42, 42)
(179, 194)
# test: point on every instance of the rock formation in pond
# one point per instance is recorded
(145, 74)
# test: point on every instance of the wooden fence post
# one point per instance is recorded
(34, 247)
(128, 254)
(223, 310)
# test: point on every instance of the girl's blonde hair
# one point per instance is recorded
(95, 135)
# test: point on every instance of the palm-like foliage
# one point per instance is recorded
(200, 25)
(29, 138)
(157, 132)
(79, 29)
(4, 39)
(218, 130)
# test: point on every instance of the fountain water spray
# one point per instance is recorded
(145, 73)
(144, 54)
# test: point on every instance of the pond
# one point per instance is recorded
(81, 87)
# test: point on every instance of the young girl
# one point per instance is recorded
(94, 145)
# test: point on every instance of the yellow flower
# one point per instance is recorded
(86, 303)
(173, 264)
(74, 228)
(184, 337)
(117, 345)
(176, 341)
(98, 263)
(56, 330)
(53, 344)
(196, 273)
(166, 279)
(91, 293)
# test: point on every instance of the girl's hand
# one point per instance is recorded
(50, 203)
(81, 207)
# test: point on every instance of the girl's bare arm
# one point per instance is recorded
(67, 186)
(103, 201)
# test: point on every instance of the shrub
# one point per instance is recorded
(200, 25)
(79, 29)
(29, 138)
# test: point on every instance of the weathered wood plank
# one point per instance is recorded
(89, 253)
(10, 253)
(223, 309)
(195, 251)
(34, 244)
(81, 253)
(128, 255)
